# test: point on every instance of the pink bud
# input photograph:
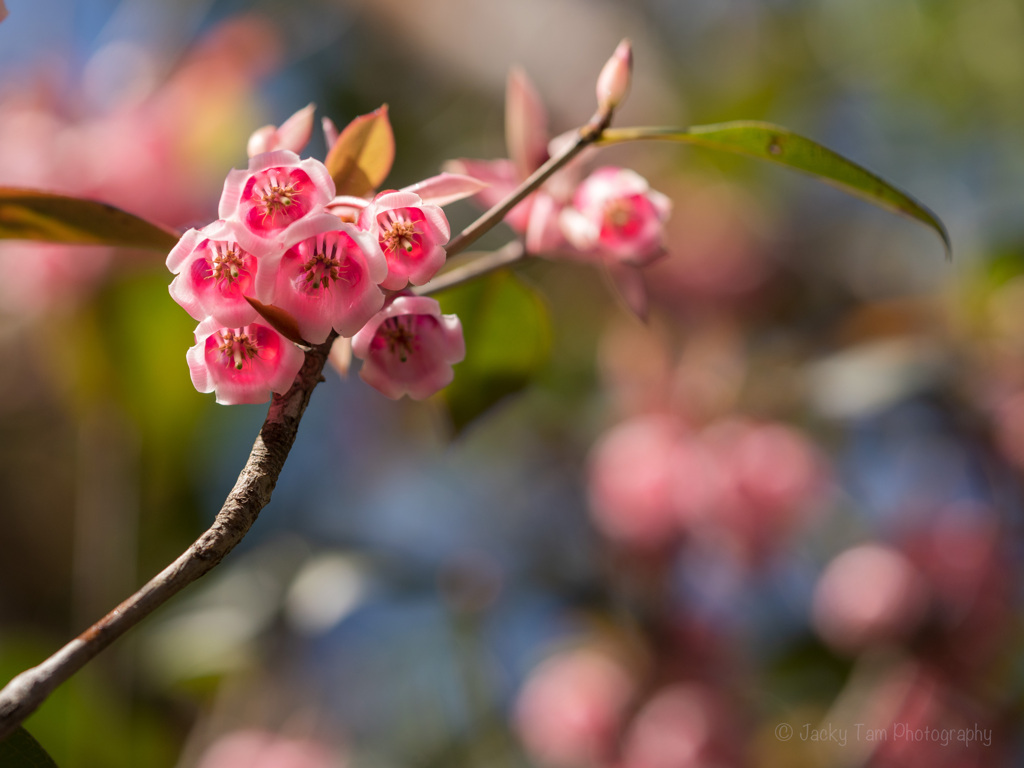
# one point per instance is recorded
(330, 132)
(411, 234)
(613, 82)
(293, 134)
(243, 364)
(409, 348)
(685, 725)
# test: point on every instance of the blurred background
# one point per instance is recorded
(790, 499)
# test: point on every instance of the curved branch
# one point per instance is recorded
(23, 695)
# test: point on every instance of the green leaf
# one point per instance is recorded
(508, 339)
(27, 214)
(362, 156)
(779, 145)
(20, 750)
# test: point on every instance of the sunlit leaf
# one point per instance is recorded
(27, 214)
(361, 158)
(779, 145)
(507, 330)
(20, 750)
(279, 320)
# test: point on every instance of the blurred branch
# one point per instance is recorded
(252, 491)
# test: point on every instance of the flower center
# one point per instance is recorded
(327, 266)
(618, 213)
(399, 336)
(227, 262)
(399, 236)
(236, 348)
(273, 196)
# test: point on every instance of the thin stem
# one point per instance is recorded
(510, 253)
(23, 695)
(588, 134)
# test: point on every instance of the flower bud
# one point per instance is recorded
(613, 82)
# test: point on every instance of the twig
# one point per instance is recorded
(588, 134)
(508, 254)
(22, 695)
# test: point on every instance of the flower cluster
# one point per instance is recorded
(328, 263)
(609, 217)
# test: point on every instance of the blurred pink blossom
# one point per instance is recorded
(685, 725)
(409, 348)
(572, 707)
(616, 215)
(260, 749)
(869, 595)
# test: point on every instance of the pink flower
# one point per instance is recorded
(615, 214)
(869, 595)
(262, 749)
(684, 725)
(276, 191)
(213, 275)
(328, 278)
(243, 364)
(409, 348)
(411, 234)
(293, 134)
(632, 481)
(572, 707)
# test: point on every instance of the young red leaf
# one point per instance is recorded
(279, 320)
(361, 158)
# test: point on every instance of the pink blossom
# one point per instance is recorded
(328, 278)
(260, 749)
(409, 348)
(632, 481)
(293, 134)
(277, 190)
(411, 234)
(615, 214)
(685, 725)
(571, 709)
(243, 364)
(867, 595)
(214, 274)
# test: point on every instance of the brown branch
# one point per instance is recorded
(23, 695)
(587, 135)
(505, 256)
